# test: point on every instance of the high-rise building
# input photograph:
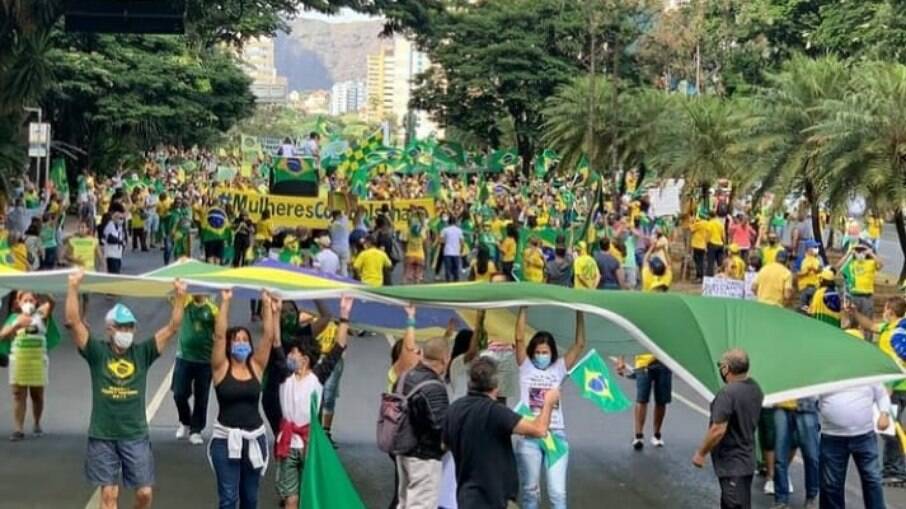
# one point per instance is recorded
(379, 84)
(391, 75)
(347, 97)
(258, 62)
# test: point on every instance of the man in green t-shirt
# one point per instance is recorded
(118, 442)
(192, 373)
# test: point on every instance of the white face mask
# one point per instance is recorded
(27, 308)
(122, 339)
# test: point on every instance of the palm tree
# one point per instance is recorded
(777, 133)
(700, 143)
(864, 139)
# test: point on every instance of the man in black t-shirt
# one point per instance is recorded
(731, 435)
(478, 432)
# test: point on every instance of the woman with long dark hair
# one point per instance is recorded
(482, 268)
(238, 450)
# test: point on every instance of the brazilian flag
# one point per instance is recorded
(545, 161)
(296, 176)
(499, 160)
(595, 383)
(449, 155)
(216, 225)
(554, 447)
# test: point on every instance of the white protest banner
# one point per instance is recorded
(723, 287)
(665, 198)
(750, 279)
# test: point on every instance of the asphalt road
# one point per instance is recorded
(603, 472)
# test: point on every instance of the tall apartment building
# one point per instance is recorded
(391, 75)
(347, 97)
(258, 62)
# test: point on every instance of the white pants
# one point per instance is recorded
(419, 486)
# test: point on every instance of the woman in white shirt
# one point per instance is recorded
(540, 370)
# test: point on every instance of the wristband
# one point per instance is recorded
(410, 322)
(343, 320)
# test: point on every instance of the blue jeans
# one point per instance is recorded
(835, 453)
(451, 268)
(530, 463)
(237, 480)
(191, 379)
(803, 427)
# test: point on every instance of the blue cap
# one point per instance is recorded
(811, 244)
(782, 256)
(120, 314)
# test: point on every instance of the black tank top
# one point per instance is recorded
(238, 400)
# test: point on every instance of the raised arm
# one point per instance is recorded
(538, 427)
(218, 350)
(164, 335)
(343, 327)
(472, 352)
(268, 338)
(320, 323)
(519, 335)
(575, 352)
(73, 313)
(409, 353)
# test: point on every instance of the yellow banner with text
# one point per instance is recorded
(314, 213)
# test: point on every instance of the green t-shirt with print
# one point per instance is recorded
(118, 384)
(196, 334)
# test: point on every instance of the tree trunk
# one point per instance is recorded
(524, 145)
(900, 221)
(815, 211)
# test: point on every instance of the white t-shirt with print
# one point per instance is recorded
(295, 402)
(534, 383)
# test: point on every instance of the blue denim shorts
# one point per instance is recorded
(105, 460)
(332, 388)
(657, 377)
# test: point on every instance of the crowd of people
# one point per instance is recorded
(503, 227)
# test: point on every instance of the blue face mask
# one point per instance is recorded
(541, 360)
(240, 351)
(292, 365)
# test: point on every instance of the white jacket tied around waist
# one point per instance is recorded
(235, 438)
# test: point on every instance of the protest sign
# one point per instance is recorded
(723, 287)
(665, 199)
(291, 212)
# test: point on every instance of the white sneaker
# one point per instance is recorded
(769, 487)
(638, 444)
(657, 442)
(195, 439)
(182, 431)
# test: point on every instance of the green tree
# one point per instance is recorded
(780, 138)
(865, 140)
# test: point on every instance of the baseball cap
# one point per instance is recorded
(120, 314)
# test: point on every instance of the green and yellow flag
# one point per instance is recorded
(555, 447)
(294, 169)
(596, 383)
(357, 156)
(324, 482)
(545, 161)
(59, 179)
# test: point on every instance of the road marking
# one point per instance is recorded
(150, 411)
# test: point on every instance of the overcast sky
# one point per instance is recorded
(345, 16)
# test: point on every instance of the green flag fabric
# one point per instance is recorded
(325, 484)
(499, 160)
(357, 156)
(59, 178)
(596, 384)
(449, 155)
(52, 334)
(555, 448)
(294, 169)
(545, 161)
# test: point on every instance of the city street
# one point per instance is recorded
(604, 471)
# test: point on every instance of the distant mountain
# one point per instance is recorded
(316, 54)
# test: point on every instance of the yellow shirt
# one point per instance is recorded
(808, 272)
(370, 266)
(773, 281)
(415, 247)
(264, 230)
(873, 227)
(84, 251)
(716, 232)
(137, 220)
(585, 272)
(486, 277)
(20, 256)
(643, 360)
(650, 281)
(864, 272)
(533, 265)
(508, 250)
(769, 253)
(699, 230)
(498, 227)
(163, 207)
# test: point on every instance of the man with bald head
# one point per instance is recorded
(420, 470)
(731, 435)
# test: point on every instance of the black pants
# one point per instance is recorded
(114, 265)
(270, 401)
(239, 250)
(396, 485)
(192, 379)
(736, 492)
(138, 237)
(698, 257)
(715, 259)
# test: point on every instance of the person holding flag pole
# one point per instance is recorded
(541, 369)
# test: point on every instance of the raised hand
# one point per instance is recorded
(226, 294)
(346, 306)
(179, 286)
(75, 279)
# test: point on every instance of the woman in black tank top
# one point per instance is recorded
(238, 449)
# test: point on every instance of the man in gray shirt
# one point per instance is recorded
(339, 239)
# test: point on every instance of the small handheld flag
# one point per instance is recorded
(555, 447)
(597, 384)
